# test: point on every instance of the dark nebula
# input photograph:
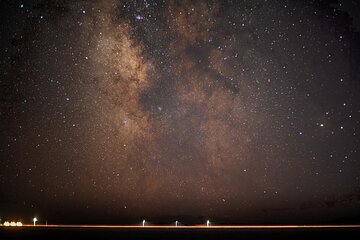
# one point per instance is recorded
(237, 111)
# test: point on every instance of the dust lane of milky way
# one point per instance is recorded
(233, 110)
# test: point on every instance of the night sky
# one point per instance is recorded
(234, 111)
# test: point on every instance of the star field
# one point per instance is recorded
(242, 111)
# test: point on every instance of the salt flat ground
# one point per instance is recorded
(182, 232)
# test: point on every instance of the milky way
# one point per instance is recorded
(244, 111)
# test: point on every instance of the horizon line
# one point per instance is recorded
(183, 226)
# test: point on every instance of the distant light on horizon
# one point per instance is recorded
(12, 224)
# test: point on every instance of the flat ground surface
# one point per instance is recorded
(198, 232)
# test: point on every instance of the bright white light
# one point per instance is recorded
(143, 223)
(207, 223)
(6, 224)
(34, 220)
(12, 224)
(176, 223)
(18, 224)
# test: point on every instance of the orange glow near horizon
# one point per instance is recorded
(191, 227)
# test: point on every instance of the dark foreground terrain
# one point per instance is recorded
(183, 234)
